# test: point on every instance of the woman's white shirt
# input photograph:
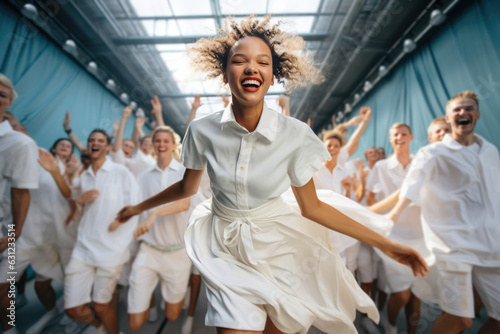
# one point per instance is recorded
(247, 169)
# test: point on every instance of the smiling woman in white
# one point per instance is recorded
(262, 274)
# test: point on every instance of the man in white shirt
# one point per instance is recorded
(98, 255)
(385, 178)
(18, 174)
(457, 186)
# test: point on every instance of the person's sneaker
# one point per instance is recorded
(369, 326)
(153, 314)
(390, 329)
(38, 326)
(21, 301)
(187, 326)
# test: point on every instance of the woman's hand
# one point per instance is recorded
(126, 213)
(406, 255)
(47, 161)
(144, 226)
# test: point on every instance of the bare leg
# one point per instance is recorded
(83, 313)
(195, 292)
(137, 320)
(271, 329)
(396, 302)
(221, 330)
(491, 326)
(173, 311)
(478, 303)
(46, 294)
(108, 316)
(450, 324)
(412, 311)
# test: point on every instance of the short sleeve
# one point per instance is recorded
(24, 166)
(343, 156)
(307, 159)
(117, 157)
(420, 167)
(192, 156)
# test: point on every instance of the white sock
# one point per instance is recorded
(153, 314)
(187, 326)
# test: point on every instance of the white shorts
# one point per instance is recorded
(174, 269)
(449, 284)
(351, 257)
(83, 280)
(367, 263)
(399, 276)
(127, 266)
(44, 261)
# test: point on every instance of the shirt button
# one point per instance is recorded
(241, 168)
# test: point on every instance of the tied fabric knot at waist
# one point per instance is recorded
(244, 223)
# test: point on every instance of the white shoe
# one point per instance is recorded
(21, 301)
(162, 305)
(38, 326)
(187, 326)
(390, 329)
(153, 314)
(369, 326)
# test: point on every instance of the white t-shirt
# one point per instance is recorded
(140, 163)
(95, 244)
(168, 230)
(248, 169)
(46, 215)
(18, 167)
(386, 177)
(459, 193)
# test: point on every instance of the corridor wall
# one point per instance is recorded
(49, 82)
(463, 55)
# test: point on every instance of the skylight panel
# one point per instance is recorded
(190, 7)
(151, 7)
(293, 6)
(229, 7)
(202, 27)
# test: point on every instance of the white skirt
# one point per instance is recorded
(272, 262)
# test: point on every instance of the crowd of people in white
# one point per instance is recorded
(444, 203)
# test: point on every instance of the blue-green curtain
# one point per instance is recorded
(49, 82)
(463, 55)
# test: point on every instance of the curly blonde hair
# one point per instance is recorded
(290, 62)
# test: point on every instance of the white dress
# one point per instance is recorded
(257, 255)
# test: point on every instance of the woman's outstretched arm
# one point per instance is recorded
(186, 187)
(326, 215)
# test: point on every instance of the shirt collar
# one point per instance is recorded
(455, 145)
(392, 162)
(5, 128)
(174, 165)
(268, 123)
(106, 166)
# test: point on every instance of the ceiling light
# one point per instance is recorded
(348, 108)
(29, 11)
(110, 84)
(70, 46)
(340, 114)
(357, 97)
(367, 86)
(382, 70)
(92, 67)
(437, 17)
(139, 113)
(124, 98)
(133, 105)
(409, 45)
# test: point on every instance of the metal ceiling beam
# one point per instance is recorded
(135, 40)
(352, 14)
(219, 16)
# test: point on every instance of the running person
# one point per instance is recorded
(261, 272)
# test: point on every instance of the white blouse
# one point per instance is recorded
(247, 169)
